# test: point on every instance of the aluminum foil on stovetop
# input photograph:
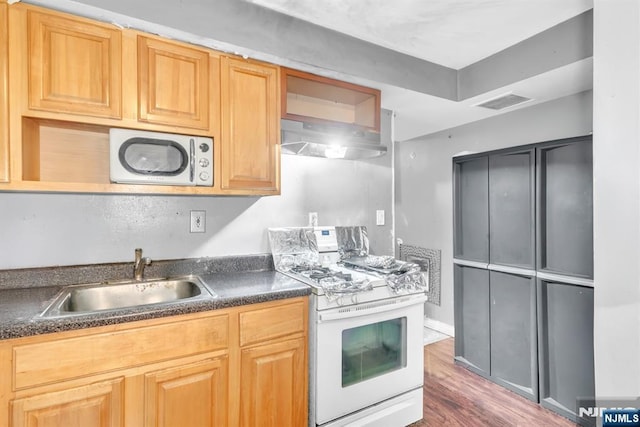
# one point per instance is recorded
(334, 283)
(352, 241)
(401, 276)
(293, 247)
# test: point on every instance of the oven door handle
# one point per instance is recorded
(346, 313)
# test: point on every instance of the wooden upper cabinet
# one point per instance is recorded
(173, 84)
(72, 79)
(250, 127)
(74, 65)
(311, 98)
(4, 95)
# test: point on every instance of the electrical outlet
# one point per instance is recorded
(313, 219)
(380, 217)
(198, 221)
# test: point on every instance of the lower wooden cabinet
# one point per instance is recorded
(270, 386)
(190, 370)
(94, 405)
(191, 395)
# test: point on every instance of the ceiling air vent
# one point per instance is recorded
(503, 101)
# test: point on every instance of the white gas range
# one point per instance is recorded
(366, 352)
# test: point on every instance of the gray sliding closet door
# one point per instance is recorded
(565, 208)
(565, 334)
(514, 358)
(471, 209)
(471, 287)
(511, 209)
(523, 269)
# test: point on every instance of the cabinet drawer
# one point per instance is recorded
(91, 354)
(272, 322)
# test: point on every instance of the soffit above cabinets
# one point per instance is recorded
(431, 60)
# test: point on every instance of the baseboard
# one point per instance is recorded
(439, 326)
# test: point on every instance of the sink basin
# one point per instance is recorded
(83, 299)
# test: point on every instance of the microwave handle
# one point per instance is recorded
(192, 159)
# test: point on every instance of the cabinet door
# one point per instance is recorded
(74, 66)
(565, 208)
(250, 127)
(471, 299)
(95, 405)
(511, 209)
(4, 96)
(173, 84)
(514, 357)
(471, 209)
(191, 395)
(565, 314)
(273, 385)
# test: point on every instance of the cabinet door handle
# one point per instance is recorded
(192, 159)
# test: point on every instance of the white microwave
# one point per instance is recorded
(143, 157)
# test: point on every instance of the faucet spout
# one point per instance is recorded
(139, 264)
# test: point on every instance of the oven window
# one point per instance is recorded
(372, 350)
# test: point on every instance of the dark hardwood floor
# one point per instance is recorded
(454, 396)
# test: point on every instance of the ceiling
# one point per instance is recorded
(451, 33)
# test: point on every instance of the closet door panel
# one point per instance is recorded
(471, 209)
(565, 314)
(565, 208)
(511, 209)
(471, 287)
(514, 358)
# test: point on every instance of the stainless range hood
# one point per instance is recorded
(330, 141)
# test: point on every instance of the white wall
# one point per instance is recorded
(616, 154)
(423, 184)
(71, 229)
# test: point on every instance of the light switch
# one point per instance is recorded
(380, 217)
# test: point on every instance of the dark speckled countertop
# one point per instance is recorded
(234, 280)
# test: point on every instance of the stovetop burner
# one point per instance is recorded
(322, 274)
(333, 279)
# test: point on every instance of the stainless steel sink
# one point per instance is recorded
(83, 299)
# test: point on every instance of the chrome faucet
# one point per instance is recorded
(139, 264)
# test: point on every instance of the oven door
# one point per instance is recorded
(368, 353)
